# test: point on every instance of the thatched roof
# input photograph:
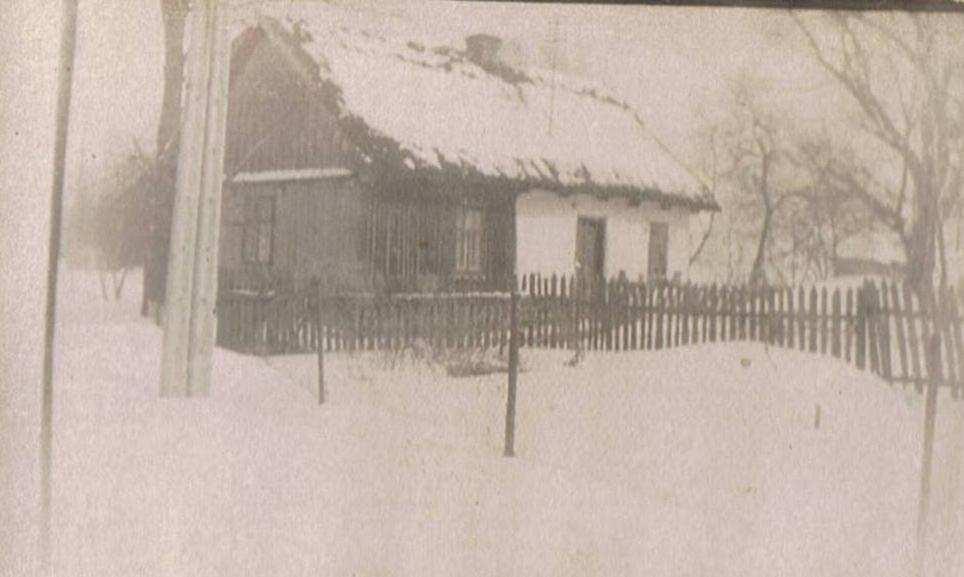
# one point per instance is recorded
(444, 104)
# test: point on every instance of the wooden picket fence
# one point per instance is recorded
(289, 324)
(878, 327)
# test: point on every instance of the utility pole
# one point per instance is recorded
(189, 316)
(64, 89)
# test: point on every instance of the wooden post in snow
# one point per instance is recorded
(189, 317)
(513, 373)
(934, 378)
(64, 91)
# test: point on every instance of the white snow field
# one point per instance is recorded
(693, 462)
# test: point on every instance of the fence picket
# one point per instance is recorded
(705, 315)
(899, 322)
(733, 312)
(835, 328)
(618, 316)
(627, 303)
(913, 342)
(790, 328)
(711, 313)
(781, 318)
(812, 319)
(633, 317)
(660, 309)
(873, 343)
(861, 329)
(752, 312)
(743, 314)
(670, 315)
(883, 325)
(824, 317)
(648, 316)
(945, 316)
(958, 348)
(849, 324)
(724, 315)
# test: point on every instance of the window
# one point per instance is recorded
(402, 240)
(258, 243)
(396, 242)
(468, 237)
(427, 244)
(411, 240)
(658, 250)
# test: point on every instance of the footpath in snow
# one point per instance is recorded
(695, 461)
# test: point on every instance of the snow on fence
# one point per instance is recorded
(882, 328)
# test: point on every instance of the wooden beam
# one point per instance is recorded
(189, 317)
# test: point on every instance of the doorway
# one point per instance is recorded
(590, 255)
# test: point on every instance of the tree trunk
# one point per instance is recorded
(161, 194)
(921, 248)
(119, 283)
(757, 273)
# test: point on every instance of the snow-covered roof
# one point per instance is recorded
(445, 109)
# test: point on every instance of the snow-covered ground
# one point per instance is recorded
(696, 461)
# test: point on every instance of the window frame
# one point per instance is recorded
(463, 234)
(259, 228)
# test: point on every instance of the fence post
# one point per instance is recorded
(513, 373)
(913, 342)
(934, 373)
(320, 322)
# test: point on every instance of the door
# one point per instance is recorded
(658, 251)
(590, 247)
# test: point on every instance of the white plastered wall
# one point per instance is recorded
(546, 234)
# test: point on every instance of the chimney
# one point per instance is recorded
(483, 49)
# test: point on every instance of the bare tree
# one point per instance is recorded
(751, 145)
(107, 219)
(903, 72)
(709, 167)
(821, 216)
(159, 184)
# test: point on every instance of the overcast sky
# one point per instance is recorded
(668, 61)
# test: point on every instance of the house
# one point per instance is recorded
(383, 160)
